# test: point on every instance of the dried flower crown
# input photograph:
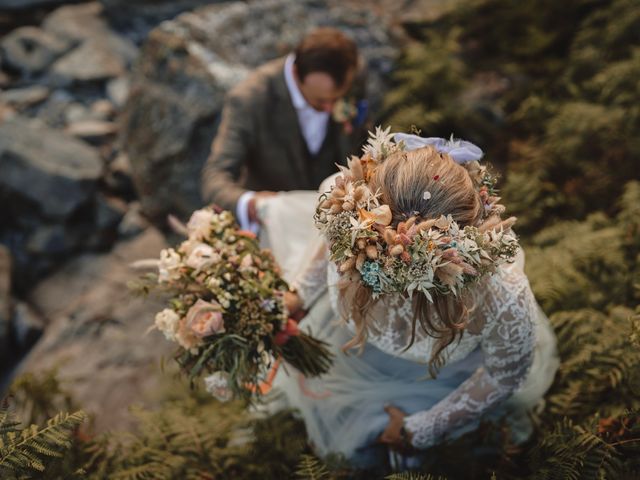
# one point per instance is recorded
(432, 256)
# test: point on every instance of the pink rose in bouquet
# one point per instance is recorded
(205, 318)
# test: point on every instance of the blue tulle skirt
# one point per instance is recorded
(344, 410)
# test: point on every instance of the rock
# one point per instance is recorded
(27, 327)
(31, 50)
(58, 107)
(54, 241)
(6, 112)
(28, 4)
(102, 109)
(5, 300)
(134, 222)
(93, 131)
(118, 177)
(76, 22)
(97, 331)
(91, 61)
(5, 79)
(53, 172)
(108, 213)
(24, 97)
(118, 90)
(99, 110)
(138, 17)
(186, 67)
(76, 112)
(40, 247)
(121, 164)
(62, 95)
(101, 53)
(418, 12)
(5, 282)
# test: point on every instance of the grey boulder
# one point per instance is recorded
(49, 170)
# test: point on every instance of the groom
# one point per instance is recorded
(286, 126)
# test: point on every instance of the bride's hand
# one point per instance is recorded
(293, 302)
(394, 435)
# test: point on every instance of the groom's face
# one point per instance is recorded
(321, 92)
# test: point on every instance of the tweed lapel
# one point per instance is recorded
(287, 128)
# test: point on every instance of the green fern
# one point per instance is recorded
(412, 476)
(27, 451)
(194, 438)
(599, 364)
(634, 336)
(571, 451)
(39, 397)
(310, 468)
(569, 263)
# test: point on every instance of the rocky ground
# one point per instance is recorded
(107, 111)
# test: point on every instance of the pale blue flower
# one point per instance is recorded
(461, 151)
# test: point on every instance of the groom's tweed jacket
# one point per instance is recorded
(259, 144)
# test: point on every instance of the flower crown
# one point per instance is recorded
(431, 256)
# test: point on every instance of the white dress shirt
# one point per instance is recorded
(314, 129)
(312, 122)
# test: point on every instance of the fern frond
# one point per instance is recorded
(310, 468)
(413, 476)
(147, 471)
(30, 450)
(6, 423)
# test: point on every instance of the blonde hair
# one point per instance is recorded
(402, 180)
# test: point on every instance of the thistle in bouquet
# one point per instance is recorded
(226, 309)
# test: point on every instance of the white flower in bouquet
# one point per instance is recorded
(199, 225)
(187, 246)
(167, 322)
(205, 318)
(246, 263)
(217, 384)
(201, 257)
(169, 266)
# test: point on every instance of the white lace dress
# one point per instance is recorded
(501, 367)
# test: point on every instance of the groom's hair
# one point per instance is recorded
(326, 50)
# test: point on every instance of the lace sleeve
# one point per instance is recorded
(311, 280)
(507, 343)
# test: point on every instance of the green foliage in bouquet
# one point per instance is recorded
(553, 101)
(226, 309)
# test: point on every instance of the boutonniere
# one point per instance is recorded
(349, 113)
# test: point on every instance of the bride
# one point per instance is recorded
(418, 286)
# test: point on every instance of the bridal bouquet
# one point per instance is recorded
(226, 310)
